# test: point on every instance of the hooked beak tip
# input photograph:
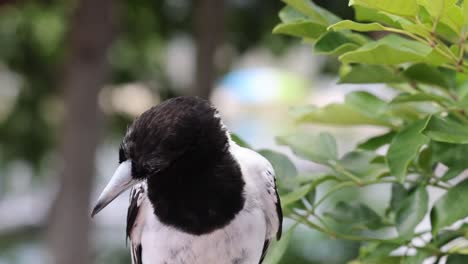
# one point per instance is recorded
(96, 210)
(120, 181)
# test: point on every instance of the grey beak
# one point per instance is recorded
(120, 181)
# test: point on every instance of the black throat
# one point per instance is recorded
(181, 148)
(199, 192)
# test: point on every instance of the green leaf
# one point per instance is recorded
(289, 14)
(363, 73)
(320, 149)
(446, 236)
(359, 216)
(409, 112)
(418, 29)
(360, 164)
(334, 43)
(390, 50)
(436, 7)
(445, 32)
(446, 12)
(311, 196)
(418, 258)
(278, 248)
(451, 155)
(426, 74)
(335, 114)
(465, 15)
(376, 250)
(340, 50)
(457, 259)
(311, 178)
(411, 212)
(398, 7)
(313, 11)
(295, 195)
(452, 173)
(425, 160)
(372, 15)
(300, 28)
(404, 147)
(399, 194)
(409, 26)
(463, 103)
(453, 17)
(450, 207)
(358, 38)
(377, 141)
(282, 165)
(385, 260)
(299, 204)
(422, 30)
(351, 25)
(371, 106)
(367, 103)
(418, 97)
(445, 130)
(436, 59)
(379, 260)
(461, 81)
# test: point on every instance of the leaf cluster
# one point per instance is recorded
(421, 55)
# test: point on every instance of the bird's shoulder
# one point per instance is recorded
(259, 175)
(255, 168)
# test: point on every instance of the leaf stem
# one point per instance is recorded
(431, 42)
(330, 192)
(346, 184)
(340, 169)
(304, 220)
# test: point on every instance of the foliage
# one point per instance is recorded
(421, 56)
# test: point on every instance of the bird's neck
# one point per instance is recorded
(199, 193)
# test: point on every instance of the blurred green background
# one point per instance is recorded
(73, 74)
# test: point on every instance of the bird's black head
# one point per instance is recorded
(173, 130)
(181, 148)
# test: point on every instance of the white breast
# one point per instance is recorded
(240, 242)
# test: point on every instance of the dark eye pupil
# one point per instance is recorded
(122, 156)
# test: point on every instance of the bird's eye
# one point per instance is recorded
(122, 156)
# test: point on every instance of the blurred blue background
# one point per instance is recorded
(74, 74)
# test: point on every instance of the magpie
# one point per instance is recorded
(196, 196)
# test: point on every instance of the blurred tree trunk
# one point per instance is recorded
(85, 71)
(210, 26)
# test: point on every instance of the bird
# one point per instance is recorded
(196, 197)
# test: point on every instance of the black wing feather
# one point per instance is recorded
(137, 255)
(133, 208)
(132, 214)
(264, 250)
(279, 211)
